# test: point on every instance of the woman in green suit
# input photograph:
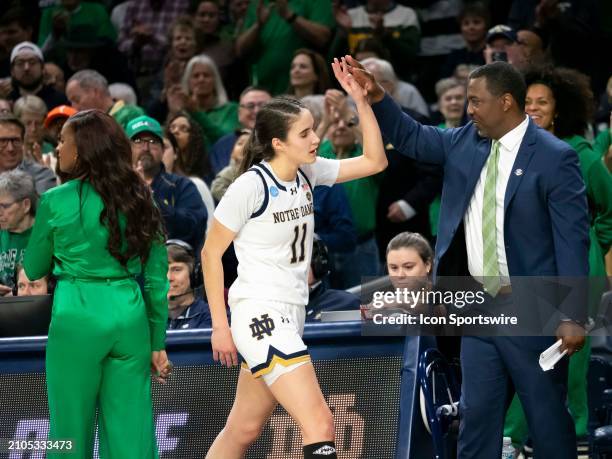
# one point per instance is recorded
(560, 101)
(97, 233)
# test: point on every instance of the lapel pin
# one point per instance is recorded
(518, 172)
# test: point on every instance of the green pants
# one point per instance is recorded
(98, 355)
(516, 424)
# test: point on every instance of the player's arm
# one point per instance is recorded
(218, 239)
(374, 159)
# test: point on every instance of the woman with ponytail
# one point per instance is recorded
(268, 214)
(96, 233)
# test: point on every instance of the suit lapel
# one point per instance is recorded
(524, 155)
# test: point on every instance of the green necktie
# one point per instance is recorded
(492, 282)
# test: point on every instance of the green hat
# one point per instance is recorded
(144, 124)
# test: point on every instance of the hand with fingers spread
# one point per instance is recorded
(348, 82)
(375, 92)
(223, 347)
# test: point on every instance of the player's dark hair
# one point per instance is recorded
(574, 102)
(502, 78)
(273, 121)
(416, 241)
(104, 159)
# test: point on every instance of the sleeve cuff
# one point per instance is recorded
(407, 209)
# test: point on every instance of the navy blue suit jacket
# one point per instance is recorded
(546, 220)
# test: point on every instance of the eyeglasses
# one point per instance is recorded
(350, 123)
(6, 205)
(16, 141)
(252, 105)
(22, 62)
(146, 141)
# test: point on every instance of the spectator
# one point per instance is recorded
(474, 20)
(502, 45)
(54, 76)
(395, 26)
(27, 75)
(186, 309)
(18, 201)
(54, 121)
(203, 94)
(124, 92)
(89, 89)
(31, 111)
(182, 48)
(230, 172)
(321, 298)
(451, 103)
(12, 132)
(177, 197)
(371, 47)
(213, 39)
(5, 107)
(251, 100)
(57, 19)
(344, 142)
(308, 74)
(27, 287)
(405, 94)
(191, 159)
(533, 43)
(15, 27)
(293, 23)
(143, 36)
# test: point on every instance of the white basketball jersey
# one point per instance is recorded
(274, 222)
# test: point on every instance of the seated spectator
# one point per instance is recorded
(203, 94)
(395, 26)
(57, 19)
(474, 20)
(344, 142)
(321, 298)
(54, 76)
(6, 107)
(186, 309)
(182, 47)
(251, 100)
(533, 42)
(31, 111)
(308, 74)
(124, 92)
(177, 197)
(272, 33)
(18, 201)
(503, 45)
(54, 121)
(15, 27)
(213, 39)
(27, 76)
(231, 172)
(405, 94)
(89, 89)
(192, 157)
(26, 287)
(143, 36)
(12, 132)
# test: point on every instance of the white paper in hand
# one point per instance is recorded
(551, 356)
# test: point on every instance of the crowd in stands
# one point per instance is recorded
(186, 79)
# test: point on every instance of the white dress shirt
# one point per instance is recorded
(508, 150)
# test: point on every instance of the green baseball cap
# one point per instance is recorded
(144, 124)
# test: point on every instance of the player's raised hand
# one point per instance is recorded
(347, 81)
(365, 79)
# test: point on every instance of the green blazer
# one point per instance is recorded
(69, 240)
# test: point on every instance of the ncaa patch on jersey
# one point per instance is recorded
(273, 191)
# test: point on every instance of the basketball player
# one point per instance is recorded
(268, 214)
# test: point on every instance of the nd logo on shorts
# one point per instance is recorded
(261, 326)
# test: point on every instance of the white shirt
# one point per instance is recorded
(508, 149)
(273, 243)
